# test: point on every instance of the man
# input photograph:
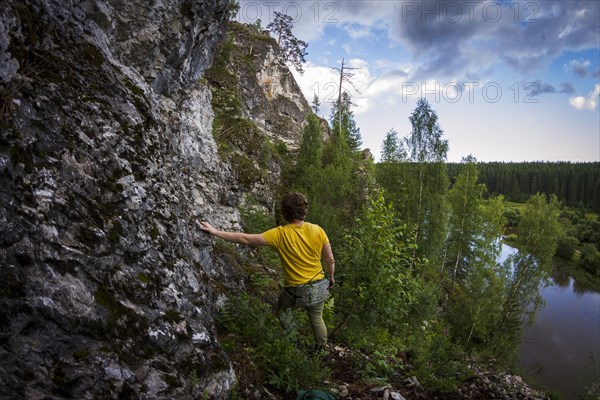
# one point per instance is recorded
(301, 246)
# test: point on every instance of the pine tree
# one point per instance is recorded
(316, 104)
(292, 49)
(343, 126)
(310, 156)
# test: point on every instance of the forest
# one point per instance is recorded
(574, 184)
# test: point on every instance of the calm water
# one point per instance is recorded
(556, 351)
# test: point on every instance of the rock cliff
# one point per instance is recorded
(259, 109)
(107, 160)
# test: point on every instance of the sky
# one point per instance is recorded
(509, 80)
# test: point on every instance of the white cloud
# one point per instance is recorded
(320, 81)
(356, 31)
(324, 82)
(385, 85)
(579, 67)
(586, 103)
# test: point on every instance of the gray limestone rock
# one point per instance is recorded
(106, 158)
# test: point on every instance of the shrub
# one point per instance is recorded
(282, 356)
(590, 258)
(566, 247)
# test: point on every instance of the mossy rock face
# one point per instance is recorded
(106, 283)
(106, 298)
(257, 147)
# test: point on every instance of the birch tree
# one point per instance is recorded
(538, 233)
(426, 205)
(464, 222)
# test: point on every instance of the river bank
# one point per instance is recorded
(578, 274)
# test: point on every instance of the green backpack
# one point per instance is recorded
(314, 394)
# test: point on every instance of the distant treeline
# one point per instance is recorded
(574, 184)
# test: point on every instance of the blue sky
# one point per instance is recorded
(509, 80)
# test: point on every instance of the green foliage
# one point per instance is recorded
(425, 143)
(380, 365)
(392, 149)
(439, 364)
(346, 134)
(465, 221)
(586, 230)
(255, 328)
(539, 229)
(566, 246)
(590, 259)
(425, 207)
(379, 302)
(477, 288)
(579, 244)
(475, 307)
(309, 164)
(512, 215)
(419, 186)
(376, 282)
(292, 49)
(311, 147)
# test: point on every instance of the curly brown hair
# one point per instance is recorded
(294, 206)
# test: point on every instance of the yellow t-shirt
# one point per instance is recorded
(299, 249)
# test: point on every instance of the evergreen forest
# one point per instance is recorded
(575, 184)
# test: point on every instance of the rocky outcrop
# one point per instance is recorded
(260, 112)
(107, 160)
(273, 99)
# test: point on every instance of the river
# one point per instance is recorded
(556, 350)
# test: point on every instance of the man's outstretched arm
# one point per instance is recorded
(252, 239)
